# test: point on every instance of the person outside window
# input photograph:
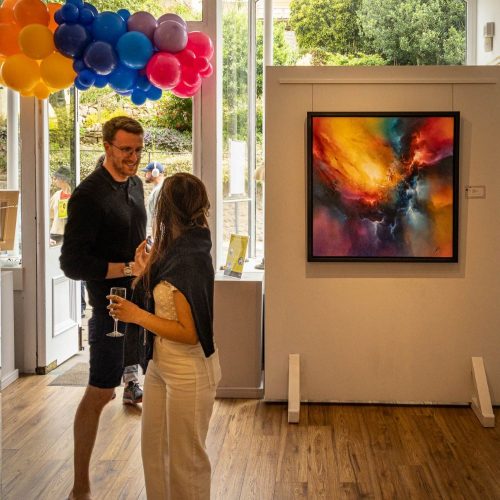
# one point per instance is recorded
(58, 205)
(173, 308)
(104, 245)
(154, 174)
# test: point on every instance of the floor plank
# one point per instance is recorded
(335, 452)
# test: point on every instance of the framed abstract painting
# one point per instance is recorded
(383, 186)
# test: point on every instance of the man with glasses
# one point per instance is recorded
(104, 245)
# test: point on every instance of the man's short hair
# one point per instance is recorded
(111, 127)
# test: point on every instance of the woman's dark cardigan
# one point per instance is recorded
(188, 267)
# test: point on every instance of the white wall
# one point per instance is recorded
(488, 11)
(393, 332)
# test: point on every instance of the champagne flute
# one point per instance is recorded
(120, 292)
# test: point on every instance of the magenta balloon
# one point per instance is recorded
(172, 17)
(144, 22)
(170, 36)
(164, 70)
(200, 44)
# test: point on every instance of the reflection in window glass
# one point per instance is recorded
(3, 138)
(62, 161)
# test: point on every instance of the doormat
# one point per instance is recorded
(77, 375)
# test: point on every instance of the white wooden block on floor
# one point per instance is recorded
(481, 400)
(293, 388)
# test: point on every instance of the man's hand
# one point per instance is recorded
(141, 259)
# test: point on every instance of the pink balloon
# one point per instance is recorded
(207, 72)
(182, 90)
(164, 70)
(200, 44)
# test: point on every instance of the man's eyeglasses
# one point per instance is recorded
(127, 151)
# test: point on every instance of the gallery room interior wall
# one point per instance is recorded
(382, 332)
(488, 11)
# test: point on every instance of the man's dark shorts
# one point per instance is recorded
(106, 353)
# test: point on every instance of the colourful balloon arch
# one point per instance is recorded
(48, 47)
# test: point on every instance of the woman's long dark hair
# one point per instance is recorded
(182, 205)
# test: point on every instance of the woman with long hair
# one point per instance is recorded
(173, 305)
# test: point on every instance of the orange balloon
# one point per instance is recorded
(9, 45)
(9, 4)
(31, 12)
(19, 72)
(36, 41)
(6, 15)
(53, 8)
(41, 91)
(57, 71)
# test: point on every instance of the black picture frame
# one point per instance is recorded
(383, 186)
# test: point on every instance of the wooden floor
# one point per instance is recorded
(337, 451)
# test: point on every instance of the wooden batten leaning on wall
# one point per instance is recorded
(481, 400)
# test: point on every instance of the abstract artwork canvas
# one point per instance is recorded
(383, 186)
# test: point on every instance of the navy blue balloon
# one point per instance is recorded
(138, 97)
(77, 3)
(70, 13)
(71, 39)
(143, 83)
(134, 49)
(87, 77)
(123, 79)
(108, 27)
(124, 14)
(79, 65)
(87, 5)
(100, 81)
(100, 57)
(86, 16)
(125, 93)
(58, 17)
(81, 85)
(154, 93)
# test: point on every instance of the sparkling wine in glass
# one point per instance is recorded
(120, 292)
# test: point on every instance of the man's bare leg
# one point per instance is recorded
(85, 431)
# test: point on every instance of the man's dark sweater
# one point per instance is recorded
(106, 223)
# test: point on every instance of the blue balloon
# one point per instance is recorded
(86, 16)
(134, 49)
(58, 17)
(100, 81)
(79, 65)
(143, 83)
(91, 7)
(87, 77)
(77, 3)
(108, 27)
(100, 57)
(123, 79)
(71, 39)
(81, 85)
(138, 97)
(70, 13)
(124, 14)
(153, 93)
(125, 93)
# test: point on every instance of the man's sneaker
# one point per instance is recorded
(132, 394)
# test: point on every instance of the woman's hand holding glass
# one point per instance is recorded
(123, 310)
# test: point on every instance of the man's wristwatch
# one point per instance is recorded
(127, 270)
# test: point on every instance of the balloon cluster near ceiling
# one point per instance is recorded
(48, 47)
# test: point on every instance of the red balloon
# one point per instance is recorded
(186, 57)
(201, 63)
(182, 90)
(200, 44)
(190, 77)
(207, 72)
(164, 70)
